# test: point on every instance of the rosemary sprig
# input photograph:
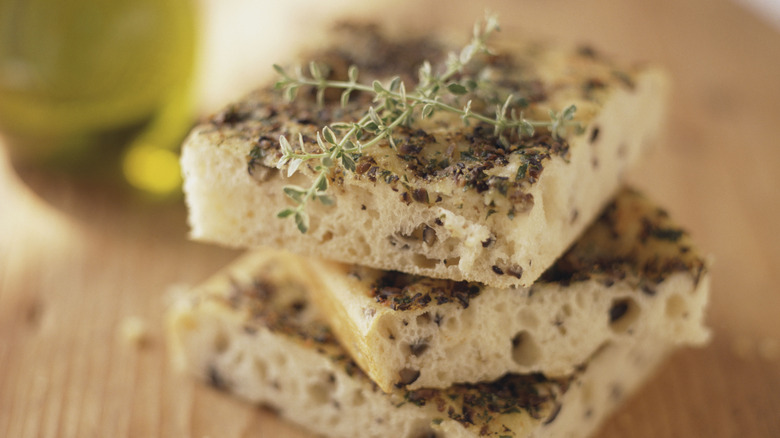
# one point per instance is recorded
(344, 142)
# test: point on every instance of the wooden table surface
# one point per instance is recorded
(78, 261)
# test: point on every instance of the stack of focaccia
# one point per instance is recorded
(460, 282)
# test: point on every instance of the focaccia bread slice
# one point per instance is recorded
(633, 273)
(252, 331)
(449, 201)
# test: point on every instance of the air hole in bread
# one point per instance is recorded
(528, 318)
(586, 394)
(407, 376)
(261, 369)
(622, 314)
(423, 233)
(451, 243)
(676, 307)
(280, 360)
(358, 398)
(525, 352)
(426, 434)
(423, 319)
(360, 245)
(389, 333)
(335, 419)
(580, 300)
(221, 342)
(320, 390)
(326, 237)
(428, 235)
(238, 358)
(452, 261)
(418, 347)
(424, 262)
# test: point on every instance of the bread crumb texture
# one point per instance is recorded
(450, 200)
(252, 331)
(634, 273)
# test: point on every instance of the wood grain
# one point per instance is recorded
(77, 260)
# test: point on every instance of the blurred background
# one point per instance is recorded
(97, 95)
(109, 88)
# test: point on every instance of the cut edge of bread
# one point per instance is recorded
(633, 273)
(220, 333)
(372, 225)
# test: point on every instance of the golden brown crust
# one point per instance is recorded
(439, 161)
(631, 241)
(450, 200)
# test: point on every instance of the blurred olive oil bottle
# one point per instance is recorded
(99, 87)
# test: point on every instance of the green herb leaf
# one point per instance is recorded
(521, 170)
(302, 221)
(568, 113)
(345, 97)
(326, 200)
(341, 143)
(322, 185)
(290, 92)
(352, 73)
(285, 145)
(350, 146)
(348, 162)
(295, 193)
(526, 128)
(456, 88)
(374, 117)
(329, 136)
(315, 71)
(427, 111)
(285, 213)
(395, 83)
(293, 166)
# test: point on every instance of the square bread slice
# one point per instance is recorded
(450, 200)
(633, 273)
(252, 331)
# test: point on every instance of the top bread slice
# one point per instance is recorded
(450, 200)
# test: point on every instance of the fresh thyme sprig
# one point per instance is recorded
(344, 142)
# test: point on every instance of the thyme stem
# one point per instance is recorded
(395, 108)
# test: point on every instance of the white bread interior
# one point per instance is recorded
(251, 331)
(634, 273)
(502, 221)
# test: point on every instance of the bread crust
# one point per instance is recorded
(251, 331)
(451, 201)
